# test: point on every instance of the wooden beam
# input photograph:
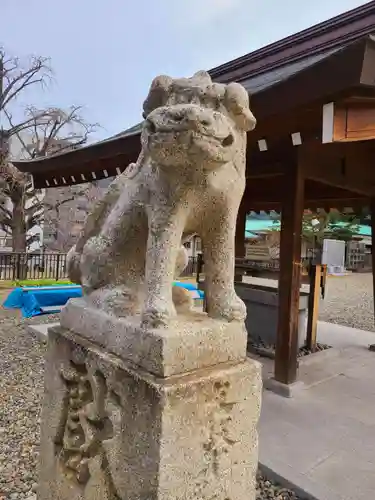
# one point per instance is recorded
(290, 276)
(325, 204)
(256, 192)
(266, 192)
(372, 211)
(255, 171)
(314, 295)
(348, 121)
(273, 160)
(345, 165)
(275, 132)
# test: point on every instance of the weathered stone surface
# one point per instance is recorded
(192, 340)
(189, 178)
(142, 403)
(109, 432)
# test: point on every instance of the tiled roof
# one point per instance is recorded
(254, 85)
(269, 78)
(335, 32)
(256, 226)
(134, 130)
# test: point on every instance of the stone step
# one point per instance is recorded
(40, 332)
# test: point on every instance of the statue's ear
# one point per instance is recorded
(158, 94)
(245, 120)
(236, 101)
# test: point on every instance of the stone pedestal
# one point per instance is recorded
(157, 419)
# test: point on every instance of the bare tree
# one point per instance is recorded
(53, 130)
(40, 132)
(25, 210)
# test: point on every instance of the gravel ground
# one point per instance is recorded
(21, 391)
(349, 301)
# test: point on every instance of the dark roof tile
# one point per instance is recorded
(269, 78)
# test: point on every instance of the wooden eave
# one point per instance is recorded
(267, 194)
(301, 93)
(118, 146)
(283, 107)
(329, 79)
(335, 32)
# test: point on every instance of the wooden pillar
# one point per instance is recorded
(290, 275)
(372, 212)
(240, 235)
(314, 296)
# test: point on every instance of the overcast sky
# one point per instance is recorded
(105, 53)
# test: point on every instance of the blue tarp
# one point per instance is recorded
(31, 300)
(189, 286)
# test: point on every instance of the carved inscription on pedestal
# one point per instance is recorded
(86, 425)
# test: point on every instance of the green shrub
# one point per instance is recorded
(41, 282)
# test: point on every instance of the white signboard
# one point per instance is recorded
(262, 252)
(334, 253)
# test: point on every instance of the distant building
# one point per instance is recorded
(193, 246)
(66, 210)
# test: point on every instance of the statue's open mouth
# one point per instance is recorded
(228, 140)
(167, 134)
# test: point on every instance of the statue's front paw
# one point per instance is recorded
(182, 299)
(155, 317)
(232, 309)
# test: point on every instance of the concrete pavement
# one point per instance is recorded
(323, 439)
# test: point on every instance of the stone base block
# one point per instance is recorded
(113, 432)
(285, 390)
(191, 341)
(40, 332)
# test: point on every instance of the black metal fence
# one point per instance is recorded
(22, 266)
(52, 266)
(191, 268)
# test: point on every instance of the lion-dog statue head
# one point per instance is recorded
(190, 118)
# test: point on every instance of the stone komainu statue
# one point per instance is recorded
(189, 178)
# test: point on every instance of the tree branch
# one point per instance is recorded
(5, 214)
(58, 204)
(41, 132)
(18, 79)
